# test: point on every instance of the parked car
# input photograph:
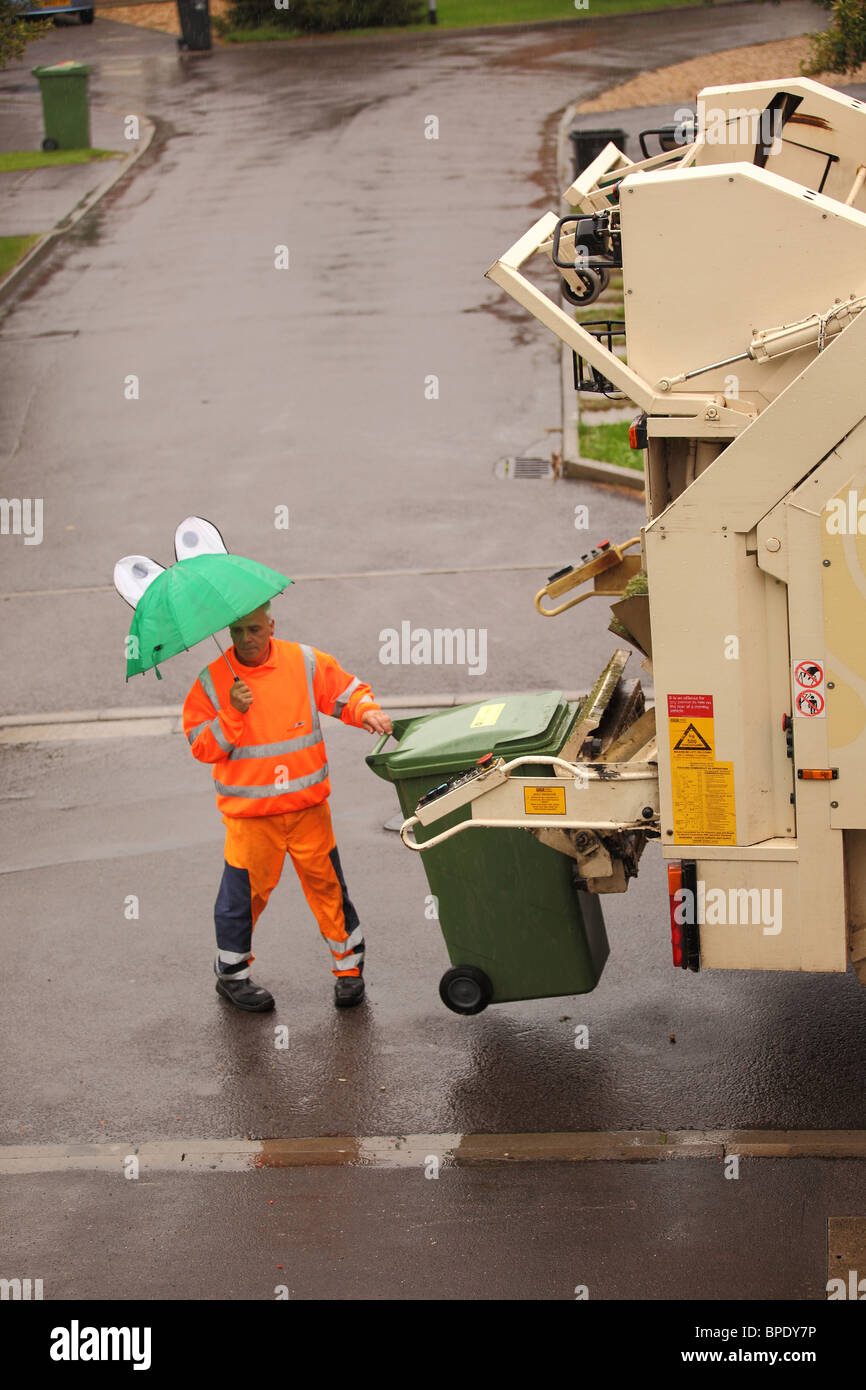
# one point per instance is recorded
(33, 9)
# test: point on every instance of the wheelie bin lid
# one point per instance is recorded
(70, 68)
(453, 740)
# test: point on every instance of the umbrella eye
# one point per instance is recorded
(139, 570)
(191, 539)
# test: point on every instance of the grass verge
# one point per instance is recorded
(12, 248)
(468, 14)
(458, 14)
(12, 160)
(609, 444)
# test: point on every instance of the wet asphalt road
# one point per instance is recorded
(528, 1232)
(305, 388)
(139, 1046)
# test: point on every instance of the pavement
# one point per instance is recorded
(309, 391)
(47, 202)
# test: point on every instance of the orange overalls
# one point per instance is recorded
(271, 776)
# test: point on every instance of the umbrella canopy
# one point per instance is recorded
(192, 600)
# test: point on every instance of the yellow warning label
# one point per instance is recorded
(488, 714)
(544, 801)
(702, 789)
(693, 737)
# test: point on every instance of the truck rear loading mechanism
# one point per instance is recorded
(744, 269)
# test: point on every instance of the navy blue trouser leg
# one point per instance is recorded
(233, 918)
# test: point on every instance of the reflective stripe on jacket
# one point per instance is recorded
(271, 759)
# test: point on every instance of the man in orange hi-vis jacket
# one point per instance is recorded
(263, 735)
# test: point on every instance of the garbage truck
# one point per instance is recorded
(742, 347)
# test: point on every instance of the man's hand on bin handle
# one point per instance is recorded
(375, 721)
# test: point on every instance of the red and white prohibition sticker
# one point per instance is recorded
(809, 696)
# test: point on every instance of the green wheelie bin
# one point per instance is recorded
(65, 105)
(515, 923)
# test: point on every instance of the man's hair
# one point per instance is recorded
(265, 607)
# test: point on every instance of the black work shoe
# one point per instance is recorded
(245, 994)
(348, 990)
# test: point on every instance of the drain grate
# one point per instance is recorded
(524, 468)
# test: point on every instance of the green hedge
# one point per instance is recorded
(324, 16)
(842, 46)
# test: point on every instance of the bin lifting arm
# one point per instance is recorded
(596, 796)
(506, 274)
(599, 567)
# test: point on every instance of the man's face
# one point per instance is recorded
(251, 635)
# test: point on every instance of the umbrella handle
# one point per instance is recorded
(225, 658)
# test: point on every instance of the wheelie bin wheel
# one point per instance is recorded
(465, 989)
(50, 145)
(86, 16)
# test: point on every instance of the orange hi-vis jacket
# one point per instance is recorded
(271, 759)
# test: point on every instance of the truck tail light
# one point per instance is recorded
(637, 432)
(675, 883)
(685, 933)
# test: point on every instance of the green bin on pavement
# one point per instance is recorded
(65, 105)
(515, 924)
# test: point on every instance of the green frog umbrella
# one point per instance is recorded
(205, 590)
